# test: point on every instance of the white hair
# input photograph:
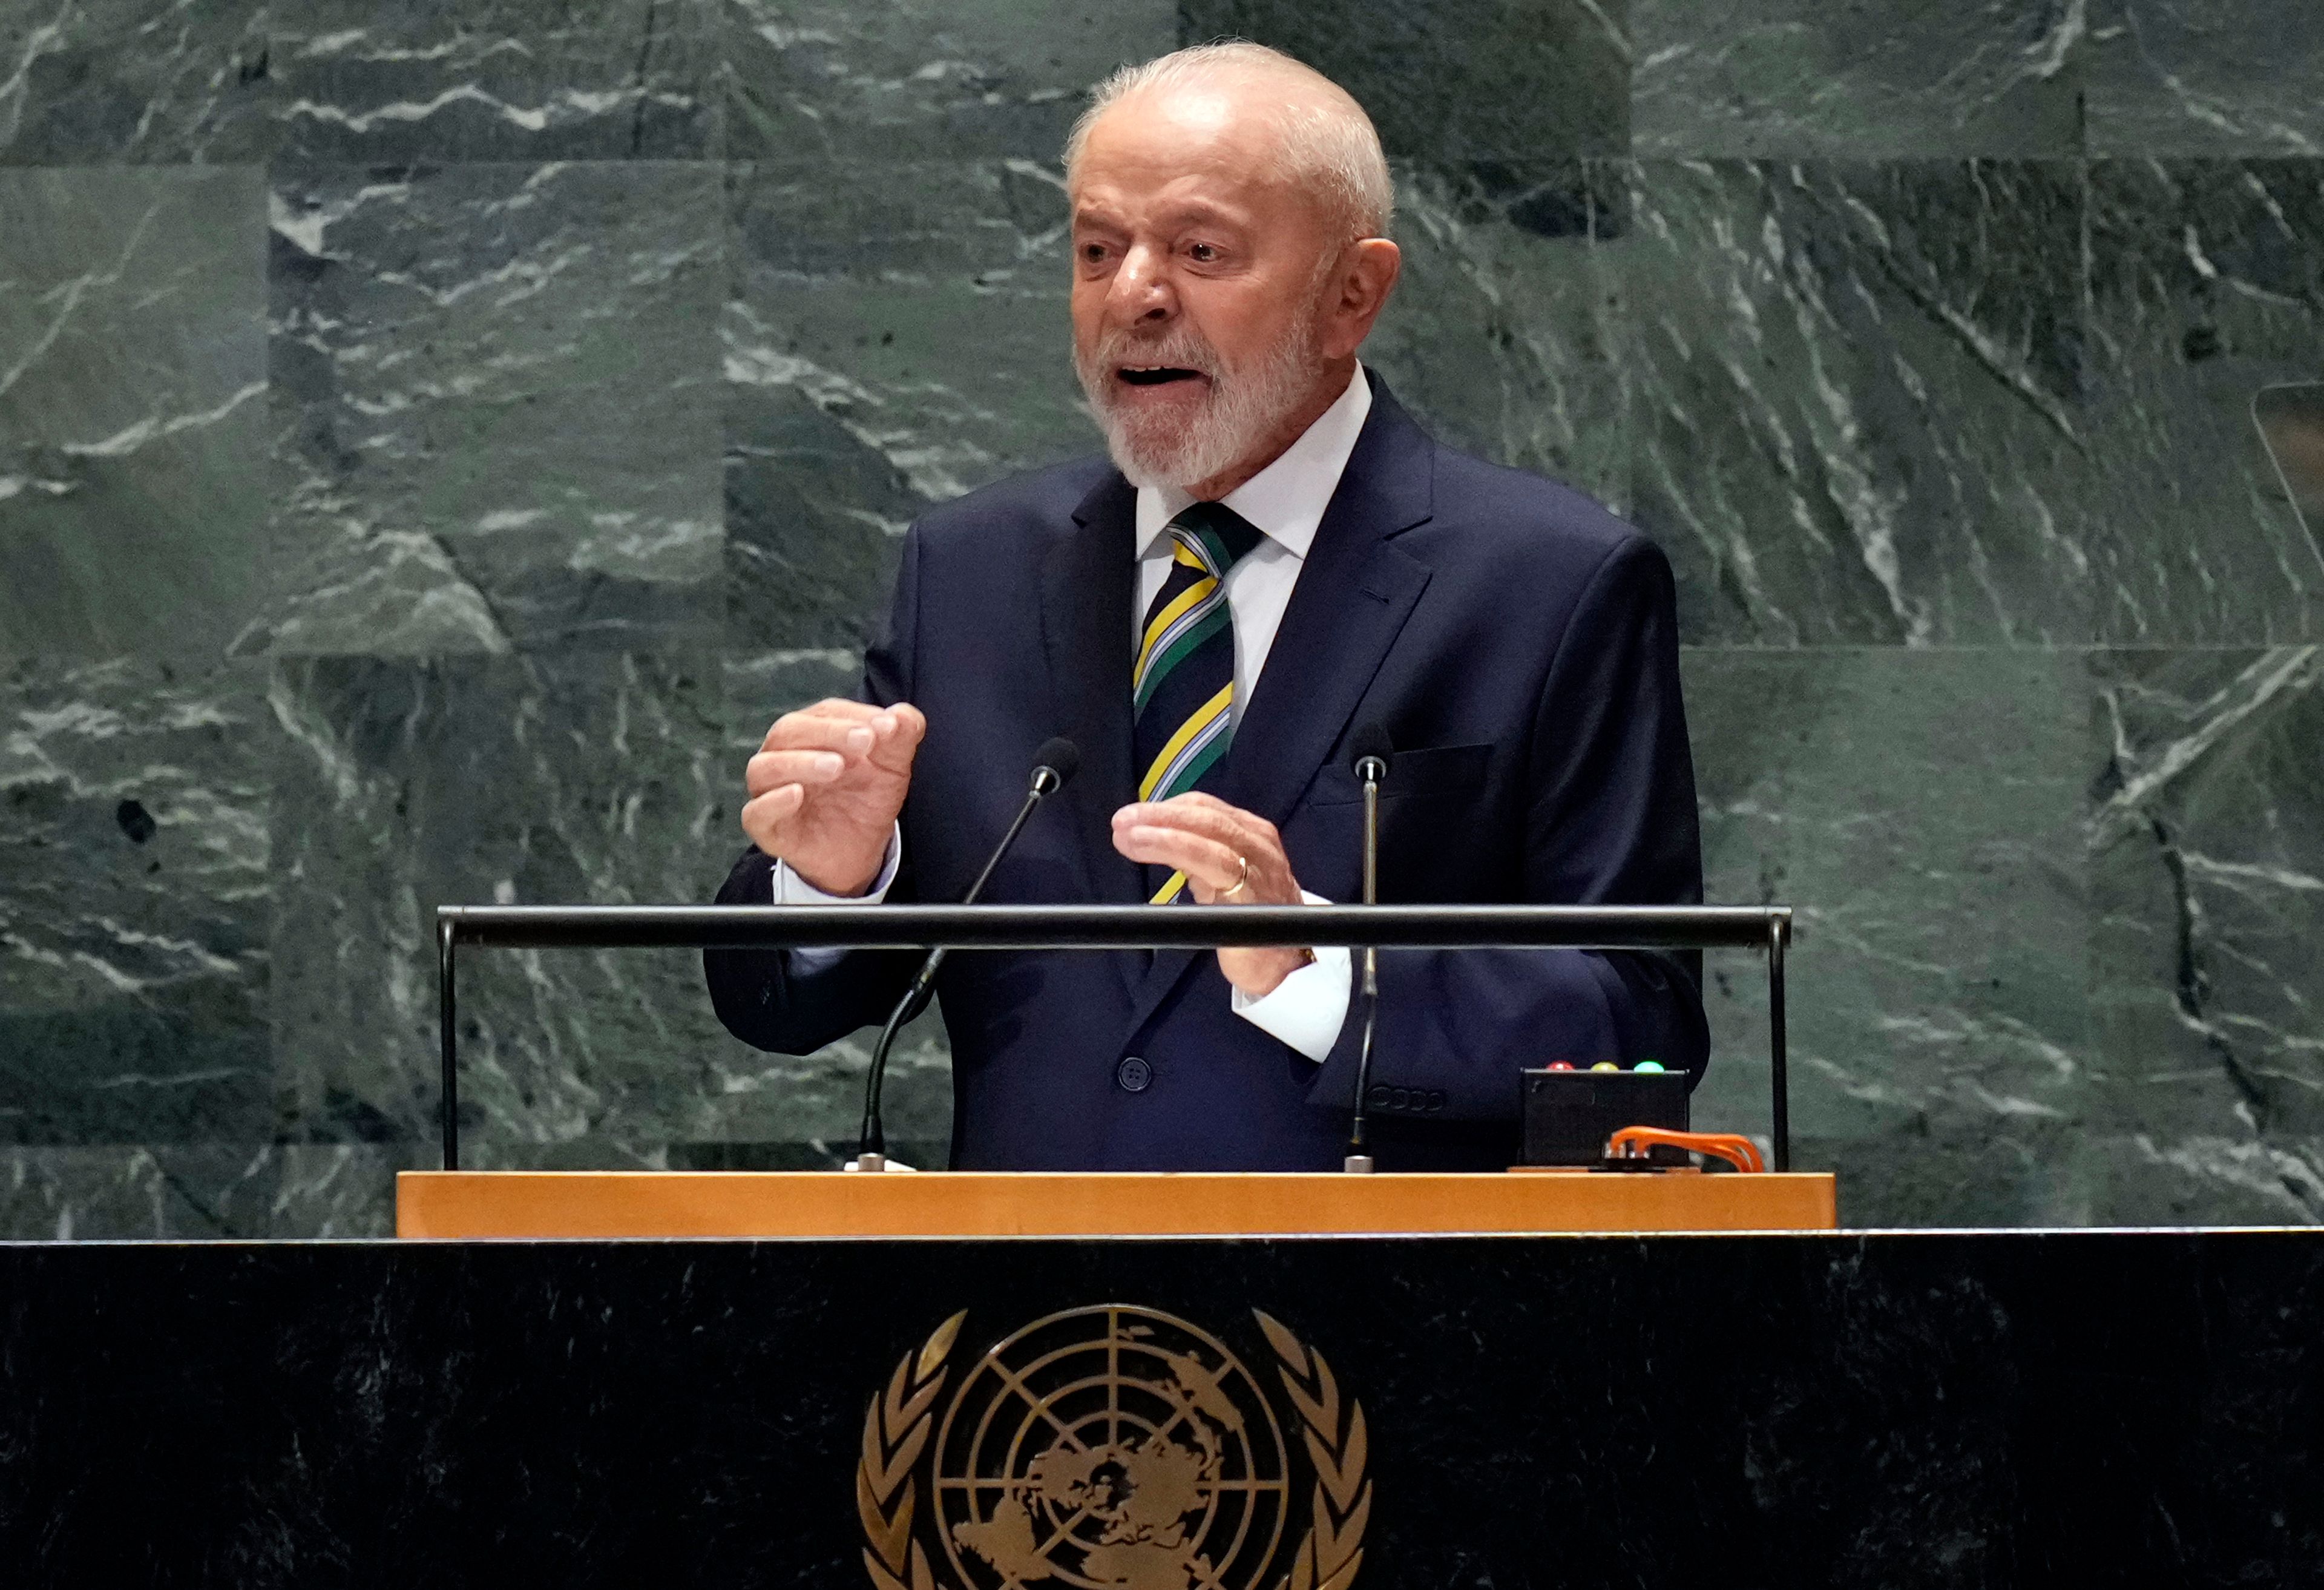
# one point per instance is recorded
(1331, 148)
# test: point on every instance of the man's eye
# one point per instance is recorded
(1092, 252)
(1202, 252)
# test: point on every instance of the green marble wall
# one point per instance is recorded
(434, 439)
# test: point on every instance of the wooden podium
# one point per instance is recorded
(457, 1203)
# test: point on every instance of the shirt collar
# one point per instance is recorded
(1286, 500)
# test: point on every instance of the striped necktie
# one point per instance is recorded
(1183, 683)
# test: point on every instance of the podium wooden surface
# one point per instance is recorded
(519, 1204)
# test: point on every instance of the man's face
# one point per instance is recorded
(1196, 282)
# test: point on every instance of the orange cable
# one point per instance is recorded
(1734, 1148)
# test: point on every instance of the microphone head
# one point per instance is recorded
(1060, 758)
(1369, 744)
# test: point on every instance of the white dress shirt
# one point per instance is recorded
(1286, 502)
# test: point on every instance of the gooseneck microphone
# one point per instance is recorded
(1054, 765)
(1371, 754)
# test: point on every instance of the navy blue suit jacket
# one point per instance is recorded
(1518, 644)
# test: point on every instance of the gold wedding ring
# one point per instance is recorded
(1239, 882)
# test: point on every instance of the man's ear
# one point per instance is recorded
(1367, 275)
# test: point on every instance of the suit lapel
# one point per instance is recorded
(1088, 583)
(1354, 593)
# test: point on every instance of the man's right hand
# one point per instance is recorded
(825, 788)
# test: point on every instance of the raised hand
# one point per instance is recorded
(825, 787)
(1232, 858)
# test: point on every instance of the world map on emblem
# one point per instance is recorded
(1111, 1446)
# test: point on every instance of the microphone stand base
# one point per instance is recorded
(1358, 1165)
(873, 1162)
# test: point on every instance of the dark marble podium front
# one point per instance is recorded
(2081, 1408)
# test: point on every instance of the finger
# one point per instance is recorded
(764, 817)
(1198, 800)
(885, 737)
(846, 707)
(1249, 823)
(837, 709)
(770, 770)
(820, 722)
(1206, 861)
(806, 732)
(899, 732)
(1226, 826)
(1175, 813)
(1204, 799)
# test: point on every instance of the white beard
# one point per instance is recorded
(1243, 407)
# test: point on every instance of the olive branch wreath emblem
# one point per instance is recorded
(896, 1426)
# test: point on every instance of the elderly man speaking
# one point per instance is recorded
(1274, 555)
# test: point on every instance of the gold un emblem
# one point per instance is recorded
(1112, 1449)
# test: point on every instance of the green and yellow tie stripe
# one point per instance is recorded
(1183, 682)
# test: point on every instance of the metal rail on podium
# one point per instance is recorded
(644, 1204)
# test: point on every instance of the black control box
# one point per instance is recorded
(1569, 1115)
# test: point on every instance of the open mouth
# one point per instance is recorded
(1156, 374)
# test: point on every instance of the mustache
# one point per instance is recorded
(1179, 347)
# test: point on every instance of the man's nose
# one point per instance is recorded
(1142, 292)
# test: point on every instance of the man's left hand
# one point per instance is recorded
(1220, 846)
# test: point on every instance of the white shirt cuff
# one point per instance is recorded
(1308, 1008)
(790, 888)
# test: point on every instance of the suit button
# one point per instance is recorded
(1134, 1075)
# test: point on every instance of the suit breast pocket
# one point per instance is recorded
(1436, 770)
